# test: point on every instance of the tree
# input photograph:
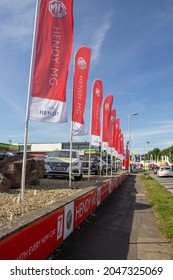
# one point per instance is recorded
(157, 153)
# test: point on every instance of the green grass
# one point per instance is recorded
(162, 202)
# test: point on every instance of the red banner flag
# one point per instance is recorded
(117, 128)
(52, 52)
(81, 70)
(119, 143)
(112, 131)
(126, 156)
(97, 96)
(107, 105)
(122, 145)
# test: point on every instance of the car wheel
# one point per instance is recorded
(78, 178)
(102, 172)
(96, 172)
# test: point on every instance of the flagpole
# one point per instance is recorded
(102, 136)
(89, 173)
(101, 161)
(71, 125)
(23, 175)
(101, 148)
(71, 139)
(107, 163)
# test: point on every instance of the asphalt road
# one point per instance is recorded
(167, 182)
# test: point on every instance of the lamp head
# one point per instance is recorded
(135, 114)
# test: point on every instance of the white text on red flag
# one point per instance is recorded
(97, 95)
(107, 106)
(80, 78)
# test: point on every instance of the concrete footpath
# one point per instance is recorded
(123, 228)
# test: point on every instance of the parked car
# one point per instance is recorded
(57, 164)
(105, 167)
(164, 171)
(5, 154)
(96, 164)
(151, 166)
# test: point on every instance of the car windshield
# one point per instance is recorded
(63, 154)
(165, 168)
(93, 158)
(8, 154)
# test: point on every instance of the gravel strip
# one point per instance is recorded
(38, 196)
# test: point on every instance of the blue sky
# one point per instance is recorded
(132, 53)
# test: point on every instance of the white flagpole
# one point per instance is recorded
(70, 167)
(23, 175)
(101, 160)
(101, 135)
(111, 164)
(107, 163)
(89, 173)
(101, 152)
(71, 125)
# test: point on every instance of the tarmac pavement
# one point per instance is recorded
(123, 228)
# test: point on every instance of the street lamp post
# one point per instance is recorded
(146, 151)
(129, 125)
(148, 142)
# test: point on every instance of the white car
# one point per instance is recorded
(57, 164)
(164, 171)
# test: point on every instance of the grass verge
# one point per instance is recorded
(162, 202)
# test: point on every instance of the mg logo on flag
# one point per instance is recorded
(57, 9)
(112, 118)
(82, 63)
(106, 106)
(97, 92)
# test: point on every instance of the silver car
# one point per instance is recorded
(57, 164)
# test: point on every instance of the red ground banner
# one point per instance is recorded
(35, 241)
(83, 206)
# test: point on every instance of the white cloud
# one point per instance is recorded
(15, 5)
(149, 76)
(159, 134)
(17, 110)
(17, 26)
(160, 128)
(99, 36)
